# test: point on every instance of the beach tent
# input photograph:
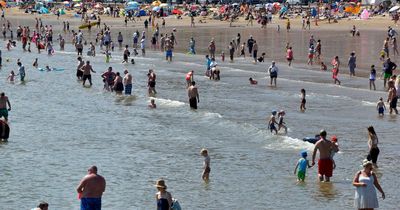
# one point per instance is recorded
(43, 10)
(142, 13)
(364, 15)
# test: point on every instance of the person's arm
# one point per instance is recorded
(9, 105)
(295, 168)
(314, 153)
(378, 186)
(356, 183)
(394, 66)
(81, 185)
(91, 69)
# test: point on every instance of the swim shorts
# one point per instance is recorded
(303, 101)
(387, 75)
(393, 103)
(381, 110)
(301, 175)
(128, 89)
(4, 113)
(325, 167)
(207, 170)
(152, 83)
(273, 75)
(90, 203)
(193, 103)
(85, 77)
(168, 53)
(272, 127)
(79, 73)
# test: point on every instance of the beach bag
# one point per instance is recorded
(175, 205)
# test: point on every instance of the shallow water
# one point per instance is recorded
(59, 129)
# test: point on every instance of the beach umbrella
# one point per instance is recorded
(133, 4)
(3, 4)
(156, 3)
(177, 12)
(364, 15)
(77, 5)
(156, 9)
(394, 9)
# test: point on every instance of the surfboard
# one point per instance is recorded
(58, 69)
(87, 25)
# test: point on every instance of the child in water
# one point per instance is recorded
(335, 150)
(272, 122)
(11, 77)
(252, 81)
(301, 167)
(281, 124)
(206, 165)
(380, 106)
(152, 104)
(303, 100)
(323, 67)
(108, 56)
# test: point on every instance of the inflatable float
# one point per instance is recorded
(87, 25)
(312, 140)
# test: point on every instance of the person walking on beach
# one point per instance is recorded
(86, 69)
(255, 51)
(206, 165)
(318, 50)
(231, 48)
(394, 46)
(91, 189)
(365, 182)
(163, 197)
(372, 77)
(392, 98)
(273, 73)
(3, 106)
(192, 45)
(250, 43)
(211, 48)
(289, 56)
(128, 82)
(325, 163)
(352, 64)
(335, 71)
(388, 68)
(193, 95)
(386, 46)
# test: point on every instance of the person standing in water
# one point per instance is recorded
(272, 122)
(86, 69)
(301, 167)
(335, 71)
(352, 64)
(365, 182)
(151, 82)
(193, 95)
(372, 77)
(128, 82)
(373, 146)
(303, 100)
(273, 73)
(392, 98)
(325, 163)
(380, 106)
(3, 106)
(91, 189)
(79, 73)
(289, 55)
(206, 165)
(163, 197)
(118, 84)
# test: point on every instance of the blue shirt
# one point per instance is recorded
(302, 164)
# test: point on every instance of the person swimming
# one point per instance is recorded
(253, 81)
(152, 104)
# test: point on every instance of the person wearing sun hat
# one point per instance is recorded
(365, 182)
(163, 197)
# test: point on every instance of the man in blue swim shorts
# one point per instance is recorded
(91, 189)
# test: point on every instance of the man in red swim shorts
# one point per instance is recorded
(325, 163)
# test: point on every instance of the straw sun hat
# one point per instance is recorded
(160, 183)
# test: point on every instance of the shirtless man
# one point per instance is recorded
(151, 82)
(128, 82)
(193, 95)
(325, 163)
(86, 69)
(3, 106)
(392, 98)
(91, 189)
